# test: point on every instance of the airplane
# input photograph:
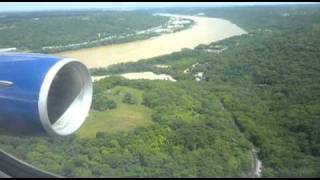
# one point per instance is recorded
(40, 95)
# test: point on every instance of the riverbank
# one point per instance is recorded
(206, 30)
(174, 24)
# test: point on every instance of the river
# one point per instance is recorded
(205, 31)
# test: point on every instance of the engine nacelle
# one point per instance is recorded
(42, 93)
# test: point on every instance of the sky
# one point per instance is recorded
(36, 6)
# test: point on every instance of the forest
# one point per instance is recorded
(263, 91)
(32, 31)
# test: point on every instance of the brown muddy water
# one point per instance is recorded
(205, 31)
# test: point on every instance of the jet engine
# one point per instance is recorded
(43, 94)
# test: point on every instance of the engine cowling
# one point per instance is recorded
(42, 93)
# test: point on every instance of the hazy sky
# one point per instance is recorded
(32, 6)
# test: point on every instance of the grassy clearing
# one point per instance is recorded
(124, 118)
